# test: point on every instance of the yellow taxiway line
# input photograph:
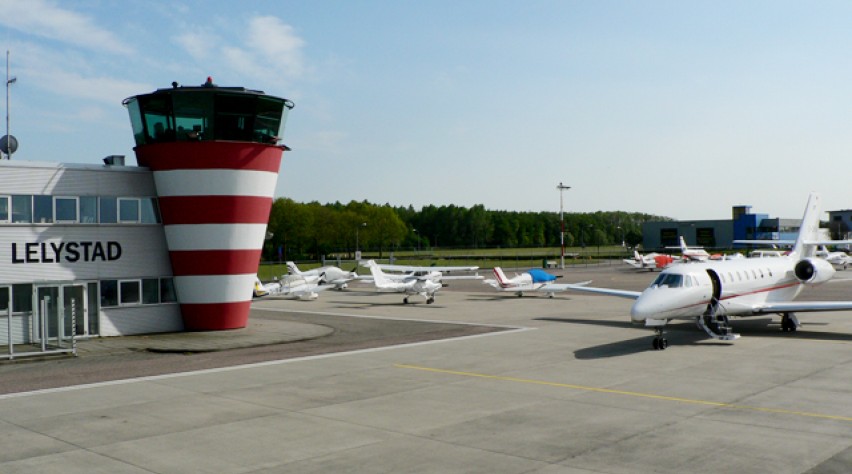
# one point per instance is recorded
(692, 401)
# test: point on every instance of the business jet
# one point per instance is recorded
(425, 284)
(711, 291)
(694, 254)
(290, 287)
(650, 261)
(325, 275)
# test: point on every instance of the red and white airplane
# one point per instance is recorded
(532, 280)
(711, 291)
(650, 261)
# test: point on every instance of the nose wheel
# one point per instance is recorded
(660, 343)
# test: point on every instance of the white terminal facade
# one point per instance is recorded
(95, 239)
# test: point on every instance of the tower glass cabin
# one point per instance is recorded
(214, 153)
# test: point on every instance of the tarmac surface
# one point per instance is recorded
(476, 382)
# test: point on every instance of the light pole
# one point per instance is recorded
(357, 244)
(562, 225)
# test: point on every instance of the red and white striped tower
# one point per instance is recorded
(215, 167)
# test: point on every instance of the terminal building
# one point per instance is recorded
(719, 234)
(171, 244)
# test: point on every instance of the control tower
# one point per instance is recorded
(214, 153)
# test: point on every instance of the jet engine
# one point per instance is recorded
(813, 271)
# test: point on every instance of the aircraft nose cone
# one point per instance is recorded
(642, 309)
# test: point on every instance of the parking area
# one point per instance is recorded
(555, 385)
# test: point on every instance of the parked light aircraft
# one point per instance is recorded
(291, 286)
(324, 275)
(649, 261)
(841, 259)
(697, 254)
(425, 284)
(532, 280)
(711, 291)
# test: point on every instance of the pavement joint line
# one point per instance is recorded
(154, 378)
(388, 318)
(653, 396)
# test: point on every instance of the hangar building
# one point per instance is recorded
(718, 234)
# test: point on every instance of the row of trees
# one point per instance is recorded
(309, 231)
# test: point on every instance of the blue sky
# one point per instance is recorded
(682, 109)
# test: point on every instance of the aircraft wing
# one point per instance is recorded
(803, 306)
(409, 268)
(462, 277)
(602, 291)
(554, 287)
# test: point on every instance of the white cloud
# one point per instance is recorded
(44, 18)
(272, 40)
(199, 44)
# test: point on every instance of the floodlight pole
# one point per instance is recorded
(8, 82)
(562, 224)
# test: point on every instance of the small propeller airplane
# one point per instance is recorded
(711, 291)
(290, 287)
(324, 275)
(532, 280)
(419, 282)
(840, 259)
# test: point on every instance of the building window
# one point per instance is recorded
(167, 290)
(4, 208)
(150, 211)
(129, 292)
(42, 209)
(22, 298)
(128, 210)
(66, 209)
(22, 209)
(109, 293)
(88, 209)
(150, 291)
(109, 210)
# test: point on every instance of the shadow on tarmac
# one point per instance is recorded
(690, 335)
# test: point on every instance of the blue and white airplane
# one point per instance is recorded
(532, 280)
(710, 291)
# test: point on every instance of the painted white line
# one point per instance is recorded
(153, 378)
(388, 318)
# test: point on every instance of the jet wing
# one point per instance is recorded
(802, 306)
(602, 291)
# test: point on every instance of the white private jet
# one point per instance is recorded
(290, 286)
(709, 292)
(425, 284)
(650, 261)
(694, 254)
(532, 280)
(324, 275)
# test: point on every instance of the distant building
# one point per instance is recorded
(840, 224)
(721, 233)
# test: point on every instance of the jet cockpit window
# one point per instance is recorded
(671, 280)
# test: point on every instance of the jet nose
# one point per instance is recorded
(643, 308)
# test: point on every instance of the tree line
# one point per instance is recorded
(308, 231)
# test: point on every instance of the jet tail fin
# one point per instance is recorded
(809, 229)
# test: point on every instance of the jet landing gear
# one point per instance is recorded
(789, 322)
(660, 342)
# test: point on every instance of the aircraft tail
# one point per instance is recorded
(294, 270)
(809, 229)
(379, 276)
(501, 277)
